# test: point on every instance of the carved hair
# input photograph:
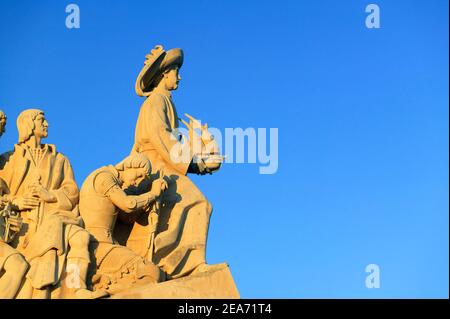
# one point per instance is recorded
(135, 161)
(25, 123)
(2, 114)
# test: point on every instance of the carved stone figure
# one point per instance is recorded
(137, 229)
(184, 213)
(42, 188)
(102, 197)
(13, 266)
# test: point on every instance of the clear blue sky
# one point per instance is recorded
(362, 117)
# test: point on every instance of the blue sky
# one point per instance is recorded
(362, 116)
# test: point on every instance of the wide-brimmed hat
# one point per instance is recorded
(155, 63)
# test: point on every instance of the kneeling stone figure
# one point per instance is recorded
(102, 197)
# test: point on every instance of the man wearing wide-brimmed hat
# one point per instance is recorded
(184, 213)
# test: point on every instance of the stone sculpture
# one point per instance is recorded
(185, 212)
(42, 188)
(137, 229)
(13, 266)
(102, 196)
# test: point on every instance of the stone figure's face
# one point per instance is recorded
(133, 177)
(2, 124)
(172, 78)
(40, 126)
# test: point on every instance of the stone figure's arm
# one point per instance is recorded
(5, 171)
(198, 166)
(129, 203)
(106, 184)
(65, 190)
(4, 191)
(162, 136)
(8, 167)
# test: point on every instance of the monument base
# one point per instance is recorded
(216, 283)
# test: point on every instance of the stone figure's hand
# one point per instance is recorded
(3, 201)
(159, 186)
(26, 202)
(42, 193)
(197, 166)
(202, 169)
(150, 204)
(163, 185)
(15, 223)
(213, 162)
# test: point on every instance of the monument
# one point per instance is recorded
(137, 229)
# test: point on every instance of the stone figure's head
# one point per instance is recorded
(171, 78)
(161, 69)
(134, 171)
(2, 122)
(32, 122)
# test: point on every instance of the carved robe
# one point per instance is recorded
(43, 239)
(185, 212)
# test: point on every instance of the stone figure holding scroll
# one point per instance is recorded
(42, 188)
